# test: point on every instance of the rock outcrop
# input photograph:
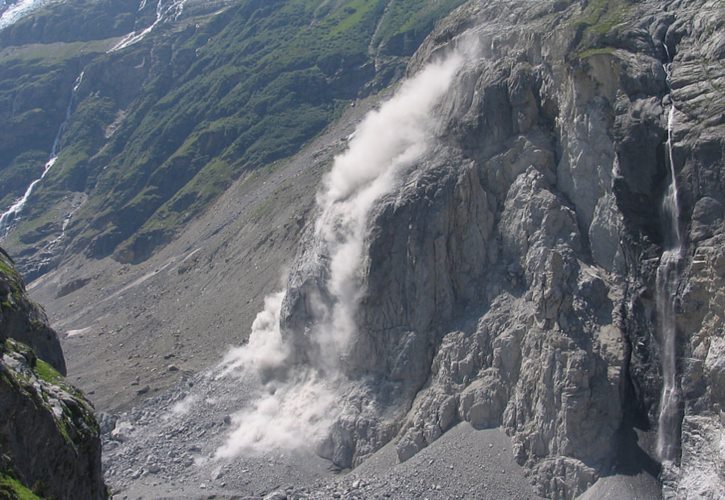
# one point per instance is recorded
(25, 321)
(511, 280)
(49, 437)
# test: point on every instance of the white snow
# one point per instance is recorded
(21, 9)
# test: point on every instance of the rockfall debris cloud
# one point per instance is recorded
(298, 408)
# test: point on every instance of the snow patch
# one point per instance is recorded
(21, 9)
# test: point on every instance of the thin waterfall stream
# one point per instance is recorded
(164, 11)
(12, 213)
(667, 283)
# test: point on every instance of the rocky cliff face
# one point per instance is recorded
(49, 438)
(514, 277)
(547, 258)
(24, 321)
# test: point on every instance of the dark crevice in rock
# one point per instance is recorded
(632, 457)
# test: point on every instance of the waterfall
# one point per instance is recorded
(164, 11)
(668, 278)
(11, 214)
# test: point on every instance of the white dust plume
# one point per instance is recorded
(298, 408)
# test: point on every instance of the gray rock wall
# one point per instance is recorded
(510, 281)
(49, 438)
(23, 320)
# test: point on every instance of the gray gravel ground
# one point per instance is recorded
(157, 451)
(464, 463)
(618, 487)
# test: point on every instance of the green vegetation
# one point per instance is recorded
(38, 224)
(12, 489)
(225, 94)
(31, 111)
(77, 21)
(44, 371)
(407, 22)
(7, 270)
(47, 373)
(77, 414)
(9, 275)
(19, 173)
(51, 54)
(599, 18)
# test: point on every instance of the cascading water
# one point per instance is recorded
(11, 214)
(165, 10)
(668, 278)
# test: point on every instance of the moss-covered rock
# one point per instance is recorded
(23, 320)
(49, 437)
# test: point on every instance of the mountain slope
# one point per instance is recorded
(499, 257)
(162, 121)
(535, 240)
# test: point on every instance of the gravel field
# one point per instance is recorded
(165, 449)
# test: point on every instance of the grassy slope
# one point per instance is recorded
(12, 489)
(200, 105)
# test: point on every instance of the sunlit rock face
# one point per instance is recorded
(508, 278)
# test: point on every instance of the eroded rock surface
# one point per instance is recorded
(510, 280)
(49, 438)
